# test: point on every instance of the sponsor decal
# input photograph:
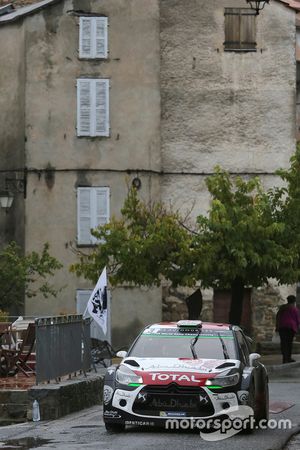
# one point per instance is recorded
(107, 394)
(185, 333)
(243, 396)
(112, 414)
(172, 414)
(183, 364)
(173, 403)
(174, 377)
(140, 422)
(182, 378)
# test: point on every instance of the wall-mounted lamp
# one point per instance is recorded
(12, 187)
(136, 182)
(6, 199)
(257, 5)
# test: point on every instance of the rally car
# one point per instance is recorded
(187, 369)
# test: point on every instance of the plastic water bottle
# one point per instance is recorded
(36, 411)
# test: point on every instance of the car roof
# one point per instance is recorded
(205, 325)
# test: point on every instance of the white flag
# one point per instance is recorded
(97, 304)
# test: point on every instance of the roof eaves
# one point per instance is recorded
(294, 4)
(26, 11)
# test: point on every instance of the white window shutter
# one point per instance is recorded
(84, 107)
(100, 39)
(84, 216)
(85, 37)
(102, 206)
(101, 92)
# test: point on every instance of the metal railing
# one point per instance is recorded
(62, 346)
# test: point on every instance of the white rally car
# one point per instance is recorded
(187, 369)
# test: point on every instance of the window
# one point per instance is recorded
(243, 347)
(92, 107)
(92, 210)
(93, 37)
(240, 30)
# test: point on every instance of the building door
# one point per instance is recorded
(221, 307)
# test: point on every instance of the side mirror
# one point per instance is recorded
(253, 357)
(121, 354)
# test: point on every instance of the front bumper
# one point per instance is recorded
(153, 405)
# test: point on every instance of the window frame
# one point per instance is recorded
(93, 54)
(240, 14)
(243, 347)
(92, 132)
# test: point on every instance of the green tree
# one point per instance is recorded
(147, 244)
(286, 207)
(240, 242)
(27, 275)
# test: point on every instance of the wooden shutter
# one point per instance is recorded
(240, 29)
(85, 37)
(100, 27)
(101, 90)
(248, 30)
(84, 216)
(84, 107)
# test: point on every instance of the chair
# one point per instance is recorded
(6, 338)
(12, 361)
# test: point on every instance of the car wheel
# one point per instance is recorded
(115, 427)
(263, 406)
(251, 402)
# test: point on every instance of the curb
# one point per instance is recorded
(282, 368)
(286, 440)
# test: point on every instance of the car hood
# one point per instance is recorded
(179, 370)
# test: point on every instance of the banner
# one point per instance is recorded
(97, 304)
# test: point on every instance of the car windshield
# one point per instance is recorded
(172, 343)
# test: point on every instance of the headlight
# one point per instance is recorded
(124, 375)
(229, 380)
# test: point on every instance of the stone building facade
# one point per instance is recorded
(170, 96)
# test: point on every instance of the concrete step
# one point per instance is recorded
(13, 412)
(18, 396)
(273, 348)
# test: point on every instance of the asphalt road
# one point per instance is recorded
(85, 430)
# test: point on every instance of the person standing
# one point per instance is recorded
(287, 325)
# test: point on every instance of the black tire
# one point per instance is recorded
(251, 402)
(263, 406)
(114, 427)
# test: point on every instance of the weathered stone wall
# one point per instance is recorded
(234, 109)
(174, 306)
(44, 104)
(12, 128)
